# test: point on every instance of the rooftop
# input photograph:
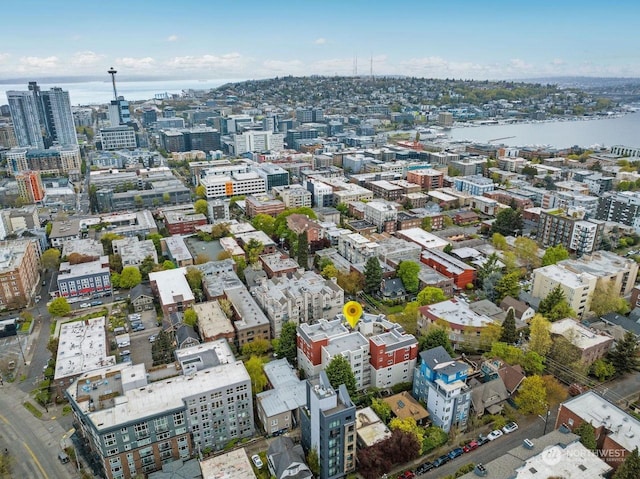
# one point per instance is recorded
(348, 343)
(564, 276)
(248, 310)
(87, 247)
(232, 465)
(579, 335)
(455, 312)
(177, 248)
(323, 329)
(370, 428)
(172, 285)
(211, 319)
(624, 428)
(82, 347)
(68, 270)
(422, 238)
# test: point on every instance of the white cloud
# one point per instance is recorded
(4, 56)
(320, 41)
(227, 62)
(145, 63)
(38, 64)
(519, 64)
(172, 38)
(86, 58)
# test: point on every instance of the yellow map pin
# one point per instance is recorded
(352, 311)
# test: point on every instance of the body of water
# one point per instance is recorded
(603, 132)
(100, 92)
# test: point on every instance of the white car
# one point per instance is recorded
(85, 305)
(257, 461)
(512, 426)
(493, 435)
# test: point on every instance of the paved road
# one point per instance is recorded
(32, 443)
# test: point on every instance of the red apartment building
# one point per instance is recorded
(180, 223)
(461, 273)
(428, 179)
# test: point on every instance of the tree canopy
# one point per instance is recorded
(508, 222)
(303, 250)
(606, 299)
(255, 368)
(509, 334)
(431, 295)
(372, 275)
(339, 372)
(253, 248)
(630, 468)
(540, 335)
(435, 337)
(624, 356)
(408, 274)
(130, 277)
(265, 223)
(190, 317)
(554, 306)
(287, 347)
(50, 259)
(553, 254)
(532, 395)
(59, 307)
(201, 207)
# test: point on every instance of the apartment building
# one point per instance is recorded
(263, 204)
(578, 235)
(475, 185)
(133, 251)
(392, 356)
(606, 266)
(381, 214)
(133, 426)
(440, 382)
(181, 223)
(84, 279)
(461, 273)
(118, 137)
(428, 178)
(355, 248)
(294, 196)
(385, 190)
(621, 207)
(172, 290)
(234, 185)
(19, 272)
(249, 320)
(578, 287)
(590, 344)
(176, 250)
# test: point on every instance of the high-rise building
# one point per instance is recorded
(328, 426)
(41, 118)
(30, 186)
(25, 117)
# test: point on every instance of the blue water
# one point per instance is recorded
(605, 132)
(100, 92)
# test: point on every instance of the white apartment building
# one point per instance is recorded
(237, 184)
(133, 251)
(301, 298)
(294, 196)
(381, 213)
(578, 287)
(355, 248)
(258, 141)
(355, 348)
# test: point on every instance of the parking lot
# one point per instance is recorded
(10, 350)
(140, 346)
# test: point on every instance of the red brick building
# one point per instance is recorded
(461, 273)
(465, 217)
(263, 204)
(299, 223)
(617, 432)
(428, 179)
(180, 223)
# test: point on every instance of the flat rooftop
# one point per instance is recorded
(232, 465)
(177, 248)
(422, 238)
(579, 335)
(348, 342)
(212, 320)
(322, 329)
(457, 312)
(170, 284)
(82, 347)
(564, 276)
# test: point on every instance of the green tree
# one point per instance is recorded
(630, 468)
(554, 306)
(448, 248)
(50, 259)
(253, 248)
(107, 240)
(408, 425)
(531, 396)
(146, 267)
(59, 307)
(509, 334)
(303, 250)
(508, 285)
(201, 207)
(587, 435)
(489, 284)
(265, 223)
(167, 264)
(553, 254)
(255, 368)
(201, 192)
(556, 391)
(491, 265)
(431, 295)
(314, 462)
(532, 363)
(287, 347)
(408, 317)
(382, 410)
(194, 278)
(339, 372)
(166, 198)
(372, 275)
(499, 241)
(156, 237)
(436, 336)
(508, 222)
(564, 360)
(115, 263)
(130, 277)
(190, 317)
(329, 271)
(602, 369)
(489, 334)
(427, 224)
(606, 299)
(257, 347)
(163, 348)
(526, 250)
(408, 273)
(624, 356)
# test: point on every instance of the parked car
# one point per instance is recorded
(512, 426)
(424, 467)
(458, 451)
(482, 440)
(96, 303)
(152, 338)
(441, 460)
(407, 475)
(493, 435)
(471, 446)
(85, 305)
(257, 461)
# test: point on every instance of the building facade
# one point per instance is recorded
(85, 279)
(19, 272)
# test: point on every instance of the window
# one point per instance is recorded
(178, 419)
(142, 430)
(109, 439)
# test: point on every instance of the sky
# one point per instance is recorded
(253, 39)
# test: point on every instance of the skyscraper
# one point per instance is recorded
(26, 119)
(41, 118)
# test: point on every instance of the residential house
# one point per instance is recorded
(286, 460)
(141, 298)
(591, 344)
(404, 406)
(172, 290)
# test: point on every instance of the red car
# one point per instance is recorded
(471, 446)
(408, 475)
